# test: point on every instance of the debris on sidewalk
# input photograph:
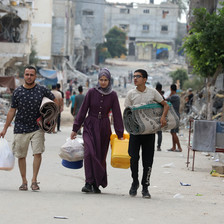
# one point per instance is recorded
(4, 108)
(178, 196)
(166, 172)
(60, 217)
(205, 153)
(216, 174)
(184, 184)
(199, 194)
(218, 169)
(168, 165)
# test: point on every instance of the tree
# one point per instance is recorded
(181, 75)
(196, 83)
(102, 53)
(33, 60)
(205, 47)
(116, 42)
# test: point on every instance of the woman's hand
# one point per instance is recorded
(121, 138)
(73, 135)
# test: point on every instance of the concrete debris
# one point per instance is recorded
(4, 108)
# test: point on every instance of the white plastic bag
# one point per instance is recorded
(72, 150)
(7, 159)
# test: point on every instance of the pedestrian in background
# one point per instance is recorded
(26, 102)
(174, 99)
(70, 86)
(189, 101)
(78, 101)
(159, 133)
(125, 82)
(143, 95)
(97, 131)
(67, 97)
(72, 101)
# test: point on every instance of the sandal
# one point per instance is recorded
(23, 187)
(34, 186)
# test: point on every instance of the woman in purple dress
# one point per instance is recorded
(97, 130)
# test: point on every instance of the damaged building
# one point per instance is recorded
(151, 29)
(72, 30)
(89, 18)
(14, 37)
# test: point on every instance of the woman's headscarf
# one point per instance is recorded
(105, 91)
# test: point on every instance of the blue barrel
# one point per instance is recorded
(72, 165)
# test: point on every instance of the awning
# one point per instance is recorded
(49, 74)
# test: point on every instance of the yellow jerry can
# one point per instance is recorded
(119, 152)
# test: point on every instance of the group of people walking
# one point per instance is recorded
(93, 116)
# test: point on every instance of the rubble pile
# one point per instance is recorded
(199, 108)
(4, 108)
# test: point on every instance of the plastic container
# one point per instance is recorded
(119, 152)
(14, 3)
(72, 165)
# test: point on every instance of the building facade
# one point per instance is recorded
(151, 29)
(90, 16)
(63, 31)
(41, 29)
(15, 44)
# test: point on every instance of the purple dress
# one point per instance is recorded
(97, 131)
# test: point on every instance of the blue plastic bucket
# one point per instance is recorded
(72, 165)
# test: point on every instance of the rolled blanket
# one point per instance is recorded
(145, 119)
(49, 113)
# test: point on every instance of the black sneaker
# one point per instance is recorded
(133, 189)
(87, 188)
(158, 149)
(96, 190)
(145, 193)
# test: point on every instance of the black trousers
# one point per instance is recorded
(147, 143)
(159, 141)
(59, 121)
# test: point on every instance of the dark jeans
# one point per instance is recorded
(147, 143)
(59, 121)
(159, 141)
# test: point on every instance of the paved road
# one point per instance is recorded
(60, 193)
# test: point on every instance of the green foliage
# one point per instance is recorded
(116, 42)
(180, 74)
(21, 70)
(196, 83)
(103, 52)
(33, 60)
(205, 44)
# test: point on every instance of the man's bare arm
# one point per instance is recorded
(10, 116)
(165, 111)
